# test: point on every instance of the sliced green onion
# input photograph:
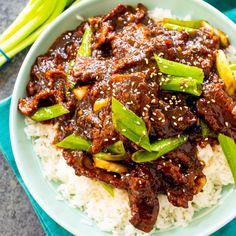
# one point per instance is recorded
(229, 148)
(225, 72)
(110, 166)
(182, 84)
(117, 152)
(117, 147)
(179, 69)
(74, 142)
(108, 188)
(47, 113)
(129, 124)
(109, 156)
(85, 47)
(179, 28)
(195, 24)
(205, 129)
(159, 148)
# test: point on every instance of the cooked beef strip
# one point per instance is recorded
(122, 65)
(217, 107)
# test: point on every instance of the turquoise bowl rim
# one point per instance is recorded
(41, 189)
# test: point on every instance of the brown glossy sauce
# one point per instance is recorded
(122, 65)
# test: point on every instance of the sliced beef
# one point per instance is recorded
(218, 108)
(143, 198)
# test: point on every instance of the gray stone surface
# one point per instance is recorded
(17, 216)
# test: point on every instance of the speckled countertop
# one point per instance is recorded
(17, 216)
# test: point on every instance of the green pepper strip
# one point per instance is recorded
(74, 142)
(85, 47)
(129, 124)
(229, 148)
(179, 69)
(179, 28)
(195, 24)
(47, 113)
(108, 188)
(206, 131)
(181, 84)
(159, 148)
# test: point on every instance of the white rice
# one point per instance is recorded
(113, 214)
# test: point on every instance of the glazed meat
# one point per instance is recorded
(122, 66)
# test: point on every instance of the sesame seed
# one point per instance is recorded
(138, 122)
(227, 124)
(124, 108)
(152, 119)
(213, 100)
(144, 132)
(106, 139)
(174, 123)
(123, 130)
(146, 60)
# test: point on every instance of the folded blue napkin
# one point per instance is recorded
(50, 227)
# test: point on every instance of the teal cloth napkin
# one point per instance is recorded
(50, 227)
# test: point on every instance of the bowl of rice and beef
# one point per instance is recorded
(126, 119)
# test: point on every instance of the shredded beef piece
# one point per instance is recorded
(143, 198)
(218, 108)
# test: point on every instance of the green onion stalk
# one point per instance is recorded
(229, 148)
(159, 148)
(29, 24)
